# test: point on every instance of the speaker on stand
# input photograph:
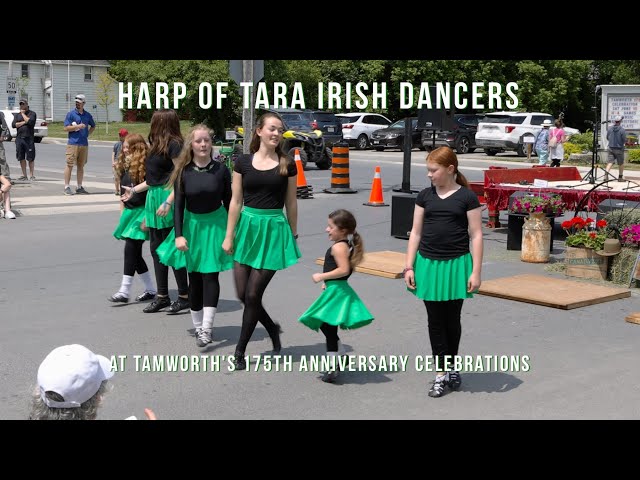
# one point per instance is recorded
(402, 207)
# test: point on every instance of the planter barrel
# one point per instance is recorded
(585, 263)
(514, 231)
(536, 235)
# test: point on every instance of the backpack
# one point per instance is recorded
(553, 140)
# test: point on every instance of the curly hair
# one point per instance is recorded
(87, 411)
(134, 160)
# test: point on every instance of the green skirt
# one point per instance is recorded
(204, 233)
(442, 280)
(264, 240)
(337, 305)
(129, 225)
(155, 196)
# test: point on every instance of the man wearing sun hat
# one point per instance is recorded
(117, 148)
(616, 137)
(71, 382)
(79, 124)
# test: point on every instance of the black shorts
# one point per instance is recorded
(25, 148)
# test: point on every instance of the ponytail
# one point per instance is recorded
(461, 179)
(358, 250)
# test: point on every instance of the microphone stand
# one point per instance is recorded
(592, 174)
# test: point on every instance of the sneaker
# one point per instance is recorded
(9, 214)
(331, 376)
(454, 380)
(81, 191)
(158, 304)
(204, 337)
(33, 179)
(118, 298)
(239, 362)
(23, 177)
(117, 193)
(437, 389)
(147, 295)
(620, 178)
(67, 191)
(179, 304)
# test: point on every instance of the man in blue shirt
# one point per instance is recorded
(79, 124)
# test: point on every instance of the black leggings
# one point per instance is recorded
(250, 286)
(204, 290)
(133, 261)
(156, 237)
(331, 334)
(555, 162)
(444, 329)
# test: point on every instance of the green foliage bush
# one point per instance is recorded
(570, 148)
(634, 155)
(583, 140)
(622, 218)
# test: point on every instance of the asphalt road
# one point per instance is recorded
(60, 263)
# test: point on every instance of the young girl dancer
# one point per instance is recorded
(441, 270)
(338, 305)
(202, 187)
(130, 170)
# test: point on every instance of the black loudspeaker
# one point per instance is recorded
(514, 231)
(435, 118)
(402, 214)
(610, 204)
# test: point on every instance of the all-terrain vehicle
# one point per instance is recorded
(301, 134)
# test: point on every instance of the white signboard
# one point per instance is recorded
(12, 85)
(540, 183)
(626, 105)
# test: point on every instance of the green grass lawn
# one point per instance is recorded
(56, 130)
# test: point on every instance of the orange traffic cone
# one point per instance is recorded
(375, 199)
(303, 190)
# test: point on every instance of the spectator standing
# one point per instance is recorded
(25, 123)
(4, 166)
(79, 124)
(617, 137)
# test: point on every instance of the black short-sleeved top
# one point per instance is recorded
(159, 167)
(265, 189)
(138, 199)
(445, 231)
(331, 264)
(202, 190)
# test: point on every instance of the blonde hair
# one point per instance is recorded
(186, 154)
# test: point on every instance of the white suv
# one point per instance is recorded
(502, 131)
(40, 130)
(358, 127)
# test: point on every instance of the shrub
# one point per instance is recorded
(570, 148)
(634, 155)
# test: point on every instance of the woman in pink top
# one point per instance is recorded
(556, 152)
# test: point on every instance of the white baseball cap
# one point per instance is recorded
(73, 372)
(80, 98)
(617, 118)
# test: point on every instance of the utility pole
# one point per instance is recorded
(248, 115)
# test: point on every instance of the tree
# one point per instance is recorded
(104, 92)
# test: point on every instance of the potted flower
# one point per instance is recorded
(585, 237)
(630, 236)
(549, 205)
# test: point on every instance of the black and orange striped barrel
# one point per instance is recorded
(340, 170)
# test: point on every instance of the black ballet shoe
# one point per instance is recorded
(118, 298)
(239, 362)
(275, 339)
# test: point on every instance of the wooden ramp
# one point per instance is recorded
(551, 292)
(384, 264)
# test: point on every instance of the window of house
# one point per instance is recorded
(47, 72)
(88, 74)
(25, 70)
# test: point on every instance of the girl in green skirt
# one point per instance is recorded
(338, 305)
(259, 236)
(130, 169)
(202, 190)
(441, 270)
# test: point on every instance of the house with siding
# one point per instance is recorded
(51, 85)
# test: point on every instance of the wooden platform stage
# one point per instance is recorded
(386, 264)
(551, 292)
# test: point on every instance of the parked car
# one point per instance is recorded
(41, 129)
(393, 136)
(329, 124)
(502, 131)
(462, 135)
(358, 127)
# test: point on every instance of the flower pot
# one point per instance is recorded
(514, 231)
(585, 263)
(536, 235)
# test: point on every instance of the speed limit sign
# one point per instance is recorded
(12, 85)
